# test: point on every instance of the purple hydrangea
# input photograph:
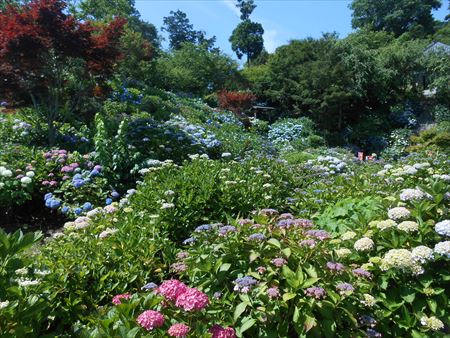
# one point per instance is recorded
(345, 288)
(244, 284)
(360, 272)
(273, 292)
(226, 229)
(149, 286)
(256, 237)
(338, 267)
(189, 240)
(309, 243)
(319, 234)
(316, 292)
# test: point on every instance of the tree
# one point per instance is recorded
(43, 50)
(107, 10)
(181, 31)
(246, 7)
(247, 39)
(396, 16)
(196, 70)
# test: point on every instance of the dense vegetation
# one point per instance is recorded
(143, 195)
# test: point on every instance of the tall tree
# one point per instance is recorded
(246, 7)
(181, 31)
(396, 16)
(247, 39)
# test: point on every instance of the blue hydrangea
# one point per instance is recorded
(256, 237)
(78, 211)
(47, 196)
(115, 194)
(87, 206)
(189, 240)
(65, 210)
(108, 201)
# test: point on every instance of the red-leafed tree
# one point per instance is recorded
(237, 102)
(46, 54)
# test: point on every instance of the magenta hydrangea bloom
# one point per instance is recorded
(179, 330)
(150, 319)
(218, 331)
(192, 300)
(116, 299)
(171, 289)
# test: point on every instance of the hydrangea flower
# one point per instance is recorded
(308, 242)
(360, 272)
(364, 244)
(244, 284)
(279, 262)
(398, 213)
(387, 224)
(338, 267)
(226, 229)
(149, 286)
(192, 300)
(116, 299)
(319, 234)
(273, 292)
(218, 331)
(256, 237)
(316, 292)
(348, 235)
(443, 248)
(345, 288)
(107, 232)
(150, 320)
(408, 226)
(443, 228)
(171, 289)
(368, 300)
(432, 323)
(179, 330)
(401, 259)
(422, 254)
(343, 252)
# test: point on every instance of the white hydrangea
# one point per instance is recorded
(169, 193)
(27, 282)
(432, 323)
(21, 272)
(398, 213)
(30, 174)
(342, 253)
(411, 194)
(443, 228)
(348, 235)
(401, 259)
(443, 248)
(107, 232)
(364, 244)
(6, 173)
(167, 206)
(387, 224)
(226, 155)
(422, 254)
(4, 304)
(94, 212)
(368, 300)
(408, 226)
(423, 165)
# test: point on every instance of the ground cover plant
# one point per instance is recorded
(154, 192)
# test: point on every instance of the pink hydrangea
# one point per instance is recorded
(150, 319)
(171, 289)
(218, 331)
(179, 330)
(192, 300)
(116, 299)
(279, 262)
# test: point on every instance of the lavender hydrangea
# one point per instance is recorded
(244, 284)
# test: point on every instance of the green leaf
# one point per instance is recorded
(239, 310)
(287, 296)
(290, 276)
(247, 324)
(309, 282)
(309, 323)
(275, 242)
(225, 267)
(133, 332)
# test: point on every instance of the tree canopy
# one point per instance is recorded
(395, 16)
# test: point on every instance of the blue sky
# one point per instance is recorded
(283, 20)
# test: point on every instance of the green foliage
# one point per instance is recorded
(23, 301)
(247, 39)
(207, 191)
(195, 70)
(397, 17)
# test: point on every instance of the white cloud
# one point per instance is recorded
(231, 4)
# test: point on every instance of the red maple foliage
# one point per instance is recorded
(39, 40)
(237, 102)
